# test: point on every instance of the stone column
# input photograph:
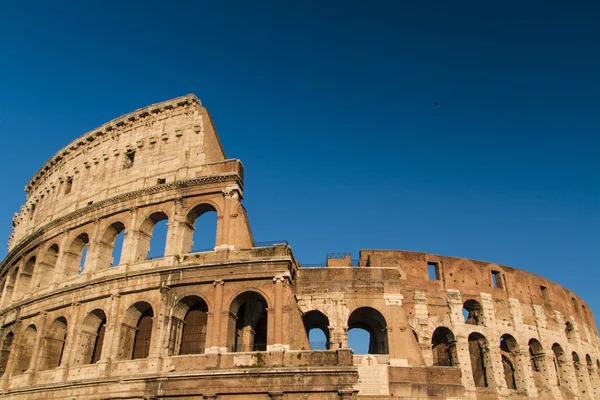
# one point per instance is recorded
(71, 339)
(111, 336)
(11, 357)
(93, 253)
(60, 273)
(36, 352)
(175, 234)
(347, 394)
(129, 242)
(226, 241)
(277, 344)
(217, 341)
(464, 362)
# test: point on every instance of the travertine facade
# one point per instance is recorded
(82, 320)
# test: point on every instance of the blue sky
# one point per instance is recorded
(331, 106)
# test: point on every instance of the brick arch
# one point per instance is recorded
(55, 340)
(144, 230)
(136, 331)
(73, 253)
(192, 215)
(189, 322)
(91, 338)
(25, 350)
(373, 321)
(248, 321)
(176, 300)
(6, 347)
(261, 292)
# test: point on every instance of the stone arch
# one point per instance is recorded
(443, 347)
(91, 338)
(9, 288)
(136, 331)
(537, 361)
(189, 320)
(248, 321)
(560, 366)
(5, 350)
(481, 363)
(47, 265)
(190, 234)
(145, 232)
(372, 321)
(76, 254)
(107, 249)
(472, 312)
(54, 344)
(315, 319)
(509, 352)
(25, 350)
(26, 275)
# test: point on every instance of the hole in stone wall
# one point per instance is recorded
(68, 185)
(128, 159)
(472, 312)
(434, 271)
(161, 181)
(497, 279)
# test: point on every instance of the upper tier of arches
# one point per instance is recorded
(168, 142)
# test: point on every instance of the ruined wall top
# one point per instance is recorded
(167, 142)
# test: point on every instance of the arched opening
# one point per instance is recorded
(560, 366)
(570, 332)
(136, 332)
(472, 312)
(91, 338)
(47, 265)
(188, 326)
(592, 375)
(509, 350)
(537, 360)
(316, 325)
(110, 247)
(481, 364)
(25, 350)
(152, 237)
(54, 344)
(26, 276)
(76, 255)
(201, 229)
(443, 348)
(372, 322)
(248, 319)
(5, 352)
(9, 289)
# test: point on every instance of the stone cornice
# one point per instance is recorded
(110, 127)
(25, 242)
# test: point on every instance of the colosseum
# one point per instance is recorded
(87, 313)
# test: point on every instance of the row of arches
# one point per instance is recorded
(366, 331)
(114, 245)
(247, 331)
(444, 352)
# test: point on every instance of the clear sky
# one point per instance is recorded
(331, 106)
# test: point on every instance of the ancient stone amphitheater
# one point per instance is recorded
(233, 322)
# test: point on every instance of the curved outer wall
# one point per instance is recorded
(233, 322)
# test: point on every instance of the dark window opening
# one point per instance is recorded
(143, 335)
(434, 271)
(575, 304)
(497, 279)
(97, 352)
(161, 181)
(545, 294)
(32, 210)
(128, 159)
(68, 185)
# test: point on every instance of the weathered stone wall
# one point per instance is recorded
(233, 322)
